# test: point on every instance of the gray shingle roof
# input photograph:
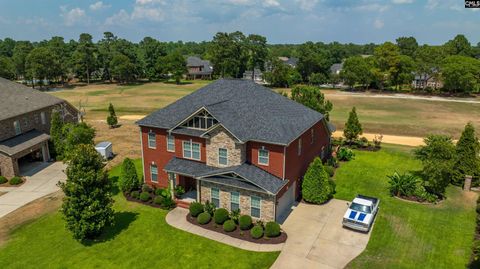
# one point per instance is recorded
(194, 61)
(248, 110)
(17, 99)
(258, 179)
(22, 142)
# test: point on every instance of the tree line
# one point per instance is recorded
(385, 66)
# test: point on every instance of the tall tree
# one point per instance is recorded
(87, 205)
(228, 54)
(85, 57)
(61, 55)
(150, 51)
(20, 53)
(403, 72)
(6, 47)
(106, 52)
(458, 46)
(257, 52)
(407, 45)
(278, 74)
(56, 134)
(112, 117)
(175, 64)
(121, 68)
(356, 70)
(353, 128)
(460, 74)
(313, 59)
(312, 97)
(387, 59)
(428, 60)
(42, 64)
(7, 68)
(467, 161)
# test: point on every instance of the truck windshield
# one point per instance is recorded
(361, 208)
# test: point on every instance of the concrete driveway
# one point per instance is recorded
(316, 238)
(41, 180)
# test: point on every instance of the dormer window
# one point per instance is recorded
(263, 156)
(201, 121)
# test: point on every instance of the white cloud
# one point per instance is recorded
(271, 3)
(306, 5)
(148, 13)
(98, 5)
(378, 24)
(373, 7)
(73, 16)
(240, 2)
(120, 18)
(402, 1)
(148, 2)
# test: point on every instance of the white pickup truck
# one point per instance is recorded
(361, 213)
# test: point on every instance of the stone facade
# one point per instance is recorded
(267, 202)
(221, 138)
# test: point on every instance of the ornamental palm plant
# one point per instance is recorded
(402, 184)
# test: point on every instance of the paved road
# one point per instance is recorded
(316, 238)
(41, 181)
(404, 96)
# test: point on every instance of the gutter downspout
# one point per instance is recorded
(284, 157)
(143, 160)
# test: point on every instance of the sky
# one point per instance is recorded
(281, 21)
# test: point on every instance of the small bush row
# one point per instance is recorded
(147, 194)
(13, 180)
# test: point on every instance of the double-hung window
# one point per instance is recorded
(215, 197)
(255, 203)
(18, 129)
(299, 146)
(222, 156)
(234, 200)
(154, 173)
(170, 143)
(263, 156)
(43, 118)
(152, 143)
(191, 150)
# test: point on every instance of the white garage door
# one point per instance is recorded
(285, 203)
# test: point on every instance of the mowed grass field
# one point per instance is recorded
(407, 234)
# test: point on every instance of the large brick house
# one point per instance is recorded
(234, 143)
(25, 125)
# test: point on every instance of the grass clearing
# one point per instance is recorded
(406, 234)
(140, 239)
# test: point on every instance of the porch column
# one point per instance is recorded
(45, 153)
(172, 177)
(198, 191)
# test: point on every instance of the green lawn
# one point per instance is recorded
(408, 235)
(140, 239)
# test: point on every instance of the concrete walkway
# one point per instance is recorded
(41, 180)
(316, 238)
(177, 219)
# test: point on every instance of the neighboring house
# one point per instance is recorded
(256, 76)
(236, 144)
(336, 68)
(422, 81)
(198, 68)
(25, 125)
(292, 61)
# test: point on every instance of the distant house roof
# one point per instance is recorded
(194, 61)
(22, 142)
(249, 73)
(17, 99)
(335, 68)
(292, 61)
(249, 176)
(247, 110)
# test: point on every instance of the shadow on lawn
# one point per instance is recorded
(122, 221)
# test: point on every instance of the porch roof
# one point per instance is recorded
(256, 178)
(22, 142)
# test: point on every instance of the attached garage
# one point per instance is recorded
(285, 203)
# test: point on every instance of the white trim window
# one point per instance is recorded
(215, 197)
(152, 140)
(234, 200)
(263, 156)
(312, 136)
(191, 150)
(16, 126)
(170, 143)
(154, 172)
(255, 206)
(222, 156)
(299, 146)
(43, 118)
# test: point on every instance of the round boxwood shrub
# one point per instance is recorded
(204, 218)
(245, 222)
(16, 181)
(145, 196)
(3, 179)
(158, 200)
(220, 215)
(195, 209)
(229, 226)
(134, 194)
(256, 232)
(272, 229)
(146, 188)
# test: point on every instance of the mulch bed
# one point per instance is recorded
(239, 234)
(415, 199)
(149, 203)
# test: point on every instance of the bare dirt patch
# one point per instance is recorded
(391, 139)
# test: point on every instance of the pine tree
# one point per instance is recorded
(112, 120)
(467, 161)
(316, 186)
(353, 128)
(56, 135)
(87, 206)
(129, 178)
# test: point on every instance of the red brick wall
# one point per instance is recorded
(275, 165)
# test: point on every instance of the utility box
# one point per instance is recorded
(105, 149)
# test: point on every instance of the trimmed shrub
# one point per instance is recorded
(158, 191)
(220, 215)
(272, 229)
(229, 226)
(16, 181)
(317, 187)
(135, 194)
(3, 179)
(204, 218)
(146, 188)
(168, 203)
(145, 196)
(209, 207)
(256, 232)
(330, 170)
(345, 154)
(195, 209)
(128, 178)
(158, 200)
(245, 222)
